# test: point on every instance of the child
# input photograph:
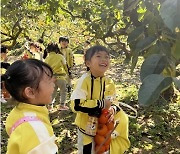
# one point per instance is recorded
(31, 84)
(33, 52)
(86, 46)
(4, 59)
(4, 66)
(64, 41)
(58, 64)
(93, 92)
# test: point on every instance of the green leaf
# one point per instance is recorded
(176, 49)
(134, 35)
(169, 12)
(176, 83)
(151, 88)
(165, 47)
(152, 50)
(146, 43)
(154, 64)
(152, 29)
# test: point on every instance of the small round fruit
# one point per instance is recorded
(99, 139)
(102, 129)
(103, 119)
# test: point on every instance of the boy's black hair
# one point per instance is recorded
(3, 49)
(91, 51)
(33, 44)
(40, 40)
(63, 38)
(22, 74)
(53, 47)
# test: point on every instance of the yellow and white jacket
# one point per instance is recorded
(58, 64)
(68, 56)
(31, 137)
(88, 97)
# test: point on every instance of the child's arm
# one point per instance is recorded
(79, 103)
(92, 107)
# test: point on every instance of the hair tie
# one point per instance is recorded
(7, 77)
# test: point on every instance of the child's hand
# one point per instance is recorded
(107, 103)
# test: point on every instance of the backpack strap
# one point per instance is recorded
(23, 120)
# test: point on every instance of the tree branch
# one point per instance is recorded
(70, 13)
(16, 25)
(5, 34)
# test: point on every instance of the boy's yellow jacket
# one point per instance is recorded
(31, 137)
(58, 64)
(89, 94)
(68, 56)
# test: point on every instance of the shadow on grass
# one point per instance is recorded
(65, 132)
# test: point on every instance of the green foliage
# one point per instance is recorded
(151, 38)
(176, 49)
(137, 27)
(154, 64)
(169, 12)
(145, 43)
(151, 88)
(135, 34)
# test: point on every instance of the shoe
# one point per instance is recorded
(63, 108)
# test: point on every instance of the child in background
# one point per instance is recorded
(58, 64)
(93, 92)
(4, 67)
(42, 48)
(4, 63)
(64, 41)
(33, 52)
(86, 46)
(30, 82)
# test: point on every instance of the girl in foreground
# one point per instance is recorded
(31, 84)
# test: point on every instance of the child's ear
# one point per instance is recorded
(87, 63)
(29, 93)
